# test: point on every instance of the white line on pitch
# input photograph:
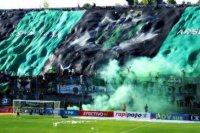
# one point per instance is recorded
(137, 127)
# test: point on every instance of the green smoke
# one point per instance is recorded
(135, 83)
(35, 38)
(130, 89)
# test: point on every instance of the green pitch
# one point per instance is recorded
(47, 124)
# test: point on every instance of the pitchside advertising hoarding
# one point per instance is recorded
(69, 112)
(6, 109)
(96, 113)
(131, 115)
(62, 112)
(194, 117)
(169, 116)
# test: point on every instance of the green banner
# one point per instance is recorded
(4, 87)
(34, 39)
(181, 46)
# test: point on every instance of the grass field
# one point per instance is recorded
(46, 124)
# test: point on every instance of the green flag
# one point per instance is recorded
(52, 70)
(4, 87)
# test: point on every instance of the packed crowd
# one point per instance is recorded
(108, 7)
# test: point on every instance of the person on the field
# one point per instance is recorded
(146, 108)
(18, 112)
(123, 107)
(80, 105)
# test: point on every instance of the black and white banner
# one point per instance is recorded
(69, 89)
(194, 117)
(5, 101)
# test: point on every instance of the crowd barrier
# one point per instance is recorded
(116, 114)
(62, 112)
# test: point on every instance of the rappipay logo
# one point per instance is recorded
(188, 32)
(121, 114)
(48, 34)
(131, 115)
(134, 115)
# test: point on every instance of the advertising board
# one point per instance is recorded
(69, 112)
(169, 116)
(62, 112)
(6, 109)
(96, 113)
(132, 115)
(194, 117)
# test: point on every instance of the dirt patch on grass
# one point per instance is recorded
(2, 114)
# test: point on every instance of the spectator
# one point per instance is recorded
(94, 5)
(81, 79)
(80, 105)
(123, 107)
(157, 76)
(158, 116)
(71, 79)
(146, 108)
(73, 71)
(192, 104)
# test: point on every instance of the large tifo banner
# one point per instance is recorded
(96, 113)
(131, 115)
(169, 116)
(6, 109)
(62, 112)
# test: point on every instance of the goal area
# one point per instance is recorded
(36, 107)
